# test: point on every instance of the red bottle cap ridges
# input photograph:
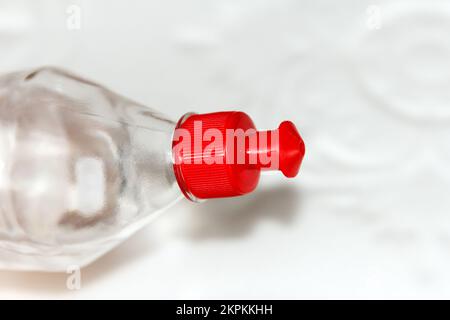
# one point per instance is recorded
(221, 154)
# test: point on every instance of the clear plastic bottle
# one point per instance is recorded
(82, 168)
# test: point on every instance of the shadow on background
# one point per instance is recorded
(236, 217)
(220, 218)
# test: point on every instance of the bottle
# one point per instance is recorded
(82, 168)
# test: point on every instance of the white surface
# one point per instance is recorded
(366, 83)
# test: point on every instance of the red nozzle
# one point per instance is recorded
(221, 154)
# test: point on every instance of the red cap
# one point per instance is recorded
(221, 154)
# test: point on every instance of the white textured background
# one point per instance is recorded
(367, 83)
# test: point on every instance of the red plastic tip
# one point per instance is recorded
(221, 154)
(292, 149)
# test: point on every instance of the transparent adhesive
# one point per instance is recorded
(81, 169)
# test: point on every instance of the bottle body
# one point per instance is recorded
(81, 169)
